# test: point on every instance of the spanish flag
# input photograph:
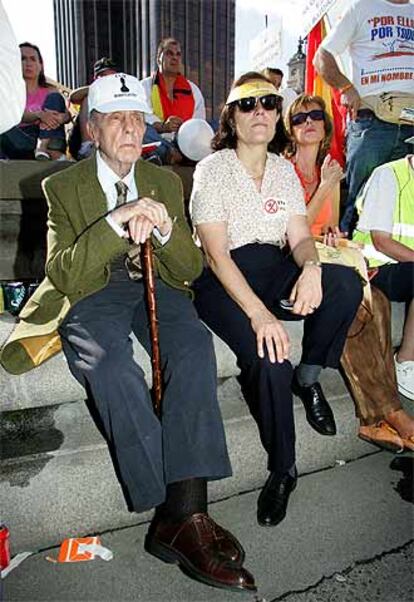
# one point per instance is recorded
(315, 85)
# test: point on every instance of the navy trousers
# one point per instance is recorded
(267, 386)
(189, 441)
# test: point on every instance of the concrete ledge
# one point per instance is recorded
(57, 478)
(52, 383)
(34, 388)
(68, 486)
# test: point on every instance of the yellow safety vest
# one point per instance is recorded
(403, 227)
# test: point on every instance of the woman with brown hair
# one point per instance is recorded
(368, 356)
(41, 132)
(247, 206)
(310, 130)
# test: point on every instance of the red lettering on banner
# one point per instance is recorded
(386, 20)
(405, 21)
(387, 77)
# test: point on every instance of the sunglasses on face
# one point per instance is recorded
(270, 102)
(315, 115)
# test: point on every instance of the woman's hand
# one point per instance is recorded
(331, 172)
(50, 120)
(332, 234)
(271, 333)
(306, 295)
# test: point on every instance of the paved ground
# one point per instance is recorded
(348, 537)
(387, 578)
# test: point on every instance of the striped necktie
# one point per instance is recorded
(121, 192)
(132, 259)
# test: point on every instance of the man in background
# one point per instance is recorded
(173, 100)
(288, 94)
(386, 228)
(378, 35)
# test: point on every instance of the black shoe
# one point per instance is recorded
(318, 411)
(273, 499)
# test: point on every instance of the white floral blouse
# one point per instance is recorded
(223, 191)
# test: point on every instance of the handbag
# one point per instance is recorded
(347, 253)
(389, 106)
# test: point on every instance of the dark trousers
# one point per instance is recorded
(396, 281)
(267, 386)
(20, 142)
(189, 441)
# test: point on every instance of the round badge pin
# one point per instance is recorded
(271, 206)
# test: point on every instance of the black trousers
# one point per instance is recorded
(396, 281)
(267, 386)
(189, 441)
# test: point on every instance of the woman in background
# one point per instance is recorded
(41, 133)
(368, 356)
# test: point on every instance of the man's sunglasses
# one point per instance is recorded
(270, 102)
(315, 115)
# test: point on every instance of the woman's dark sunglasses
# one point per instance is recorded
(270, 102)
(315, 115)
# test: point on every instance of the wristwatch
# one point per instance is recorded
(312, 262)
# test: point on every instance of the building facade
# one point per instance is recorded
(129, 31)
(297, 69)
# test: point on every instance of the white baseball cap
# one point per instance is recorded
(117, 92)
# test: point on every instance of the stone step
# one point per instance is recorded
(57, 477)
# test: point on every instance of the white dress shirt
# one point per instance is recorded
(107, 179)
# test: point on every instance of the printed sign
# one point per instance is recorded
(313, 11)
(265, 48)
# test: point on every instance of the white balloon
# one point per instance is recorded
(194, 139)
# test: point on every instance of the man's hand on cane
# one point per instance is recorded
(141, 217)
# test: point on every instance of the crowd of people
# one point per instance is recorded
(41, 133)
(270, 250)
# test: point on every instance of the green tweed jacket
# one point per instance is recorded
(81, 245)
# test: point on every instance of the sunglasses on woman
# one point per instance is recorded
(315, 115)
(269, 102)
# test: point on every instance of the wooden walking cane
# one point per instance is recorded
(148, 270)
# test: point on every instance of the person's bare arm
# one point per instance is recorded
(384, 243)
(331, 175)
(327, 67)
(307, 292)
(270, 332)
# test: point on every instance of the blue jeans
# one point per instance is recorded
(151, 135)
(20, 142)
(370, 143)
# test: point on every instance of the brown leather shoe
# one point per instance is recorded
(382, 435)
(227, 544)
(197, 545)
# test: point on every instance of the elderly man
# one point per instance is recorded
(100, 211)
(172, 98)
(378, 35)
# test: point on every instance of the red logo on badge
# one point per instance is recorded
(271, 206)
